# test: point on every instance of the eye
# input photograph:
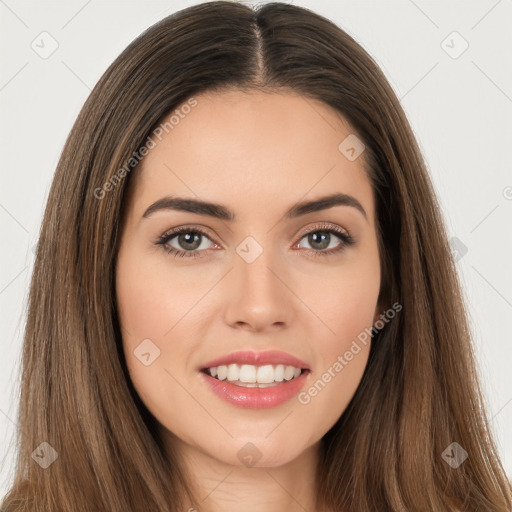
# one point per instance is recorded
(192, 238)
(187, 237)
(320, 237)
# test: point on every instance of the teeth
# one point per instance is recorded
(279, 373)
(233, 372)
(265, 374)
(249, 375)
(222, 372)
(288, 372)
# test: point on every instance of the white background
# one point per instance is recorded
(460, 110)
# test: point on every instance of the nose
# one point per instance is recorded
(259, 297)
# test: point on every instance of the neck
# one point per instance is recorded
(222, 487)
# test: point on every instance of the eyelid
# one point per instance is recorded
(346, 239)
(324, 225)
(186, 227)
(203, 230)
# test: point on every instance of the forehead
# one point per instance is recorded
(250, 150)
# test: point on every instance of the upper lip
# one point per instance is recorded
(257, 359)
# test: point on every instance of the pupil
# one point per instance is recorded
(324, 237)
(186, 239)
(190, 241)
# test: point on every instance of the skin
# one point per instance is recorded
(256, 153)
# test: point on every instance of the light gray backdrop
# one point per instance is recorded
(449, 62)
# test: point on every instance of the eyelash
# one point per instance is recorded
(346, 241)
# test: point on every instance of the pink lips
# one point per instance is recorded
(257, 359)
(255, 397)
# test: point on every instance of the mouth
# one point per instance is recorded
(252, 376)
(255, 380)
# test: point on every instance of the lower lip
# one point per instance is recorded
(256, 398)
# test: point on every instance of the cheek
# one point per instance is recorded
(150, 303)
(140, 307)
(346, 308)
(155, 309)
(332, 306)
(330, 390)
(341, 361)
(343, 299)
(145, 315)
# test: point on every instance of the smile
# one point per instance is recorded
(255, 380)
(251, 376)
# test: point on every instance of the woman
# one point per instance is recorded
(243, 294)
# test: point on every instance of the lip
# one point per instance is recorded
(255, 398)
(258, 359)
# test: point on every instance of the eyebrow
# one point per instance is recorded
(220, 211)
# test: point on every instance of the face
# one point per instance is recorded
(286, 289)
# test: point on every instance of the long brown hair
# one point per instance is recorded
(419, 392)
